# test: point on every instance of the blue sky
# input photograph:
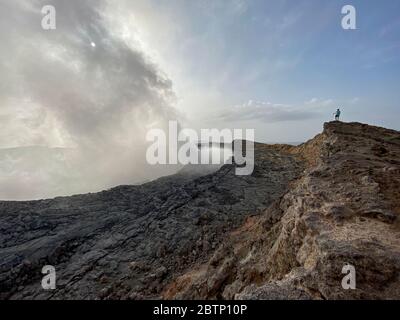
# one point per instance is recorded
(283, 53)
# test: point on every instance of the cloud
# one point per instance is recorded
(354, 100)
(268, 112)
(320, 102)
(272, 112)
(79, 86)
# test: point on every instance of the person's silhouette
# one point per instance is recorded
(337, 114)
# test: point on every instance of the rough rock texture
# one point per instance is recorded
(283, 233)
(131, 241)
(343, 210)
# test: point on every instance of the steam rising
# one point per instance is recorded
(80, 88)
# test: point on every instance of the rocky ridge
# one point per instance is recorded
(343, 210)
(285, 232)
(132, 241)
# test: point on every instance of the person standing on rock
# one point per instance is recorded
(337, 114)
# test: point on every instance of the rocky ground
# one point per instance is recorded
(343, 210)
(285, 232)
(132, 241)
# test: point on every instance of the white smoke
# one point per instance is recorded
(57, 89)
